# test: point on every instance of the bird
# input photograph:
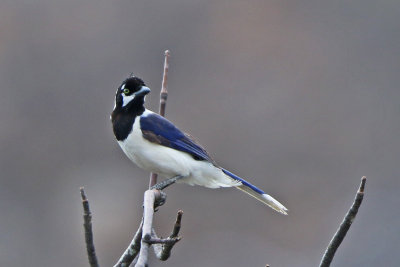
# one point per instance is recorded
(156, 145)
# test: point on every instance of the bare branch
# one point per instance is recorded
(153, 179)
(163, 102)
(166, 252)
(163, 252)
(87, 224)
(167, 241)
(344, 226)
(151, 198)
(177, 225)
(164, 84)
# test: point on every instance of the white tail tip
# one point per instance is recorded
(275, 204)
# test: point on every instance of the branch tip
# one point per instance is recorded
(362, 185)
(179, 217)
(344, 226)
(87, 225)
(83, 195)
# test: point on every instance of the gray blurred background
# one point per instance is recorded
(299, 97)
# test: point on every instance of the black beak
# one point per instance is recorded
(143, 91)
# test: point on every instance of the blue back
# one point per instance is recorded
(156, 128)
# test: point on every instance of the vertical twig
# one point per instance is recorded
(344, 226)
(164, 85)
(163, 102)
(166, 251)
(87, 224)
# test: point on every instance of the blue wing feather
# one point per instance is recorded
(156, 128)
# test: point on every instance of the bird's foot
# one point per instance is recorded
(164, 184)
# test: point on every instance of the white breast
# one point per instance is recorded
(163, 160)
(169, 162)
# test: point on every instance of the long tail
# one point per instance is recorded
(257, 193)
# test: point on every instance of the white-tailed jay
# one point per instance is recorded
(156, 145)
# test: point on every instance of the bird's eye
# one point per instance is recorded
(126, 91)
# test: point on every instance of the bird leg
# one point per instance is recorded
(163, 184)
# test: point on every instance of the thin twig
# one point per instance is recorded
(133, 250)
(153, 179)
(344, 226)
(163, 252)
(160, 243)
(163, 103)
(87, 224)
(163, 241)
(164, 85)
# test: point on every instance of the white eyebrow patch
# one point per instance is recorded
(122, 87)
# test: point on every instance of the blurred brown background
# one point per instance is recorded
(299, 97)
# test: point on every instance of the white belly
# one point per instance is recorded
(169, 162)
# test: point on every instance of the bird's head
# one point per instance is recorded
(133, 89)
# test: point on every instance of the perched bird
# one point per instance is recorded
(156, 145)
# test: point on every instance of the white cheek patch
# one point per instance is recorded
(126, 99)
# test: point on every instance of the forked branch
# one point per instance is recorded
(163, 248)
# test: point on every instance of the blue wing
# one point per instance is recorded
(157, 129)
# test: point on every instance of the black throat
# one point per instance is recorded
(123, 118)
